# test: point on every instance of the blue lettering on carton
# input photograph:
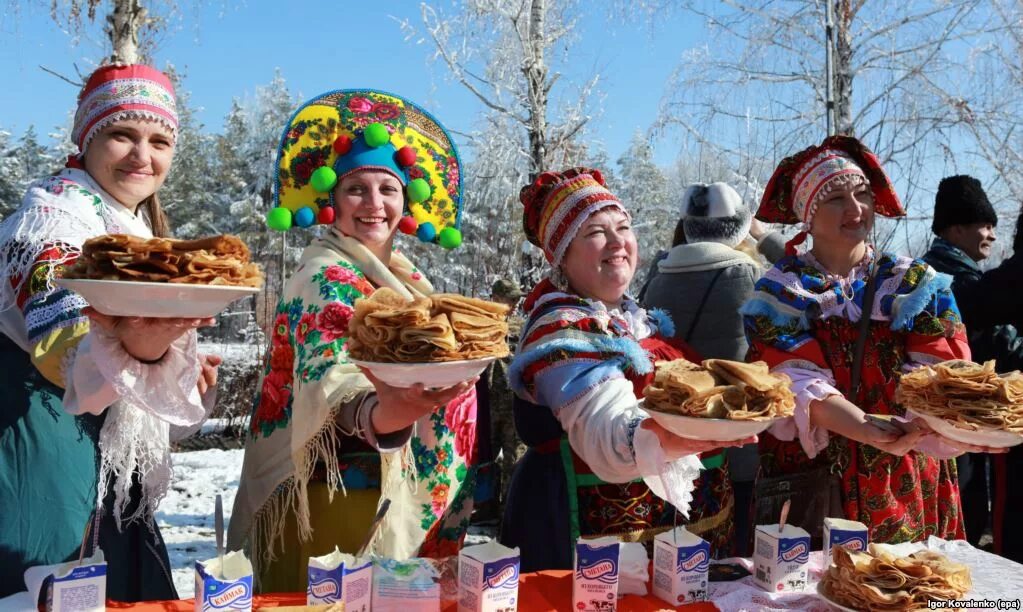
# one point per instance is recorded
(794, 550)
(503, 574)
(224, 594)
(694, 558)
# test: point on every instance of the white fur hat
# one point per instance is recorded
(714, 213)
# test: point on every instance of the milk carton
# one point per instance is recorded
(405, 586)
(488, 578)
(840, 532)
(223, 587)
(340, 577)
(681, 562)
(595, 584)
(78, 587)
(780, 558)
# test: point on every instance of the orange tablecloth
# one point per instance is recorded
(539, 591)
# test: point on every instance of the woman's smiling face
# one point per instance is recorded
(601, 259)
(369, 205)
(130, 159)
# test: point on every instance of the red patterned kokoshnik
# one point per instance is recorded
(114, 93)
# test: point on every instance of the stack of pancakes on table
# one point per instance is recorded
(970, 395)
(878, 580)
(387, 328)
(720, 389)
(218, 260)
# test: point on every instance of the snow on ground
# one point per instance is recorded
(233, 352)
(186, 514)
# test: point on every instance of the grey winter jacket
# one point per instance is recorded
(684, 278)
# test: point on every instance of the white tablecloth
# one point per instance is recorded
(994, 578)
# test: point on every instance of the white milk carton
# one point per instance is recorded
(595, 583)
(840, 532)
(681, 563)
(340, 577)
(780, 558)
(78, 587)
(223, 587)
(488, 578)
(405, 586)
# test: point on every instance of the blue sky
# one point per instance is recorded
(227, 49)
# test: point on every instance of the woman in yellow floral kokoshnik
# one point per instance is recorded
(326, 441)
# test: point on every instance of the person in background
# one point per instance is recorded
(964, 227)
(586, 354)
(90, 401)
(504, 438)
(497, 440)
(328, 440)
(701, 284)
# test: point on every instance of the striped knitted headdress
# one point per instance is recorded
(558, 203)
(115, 92)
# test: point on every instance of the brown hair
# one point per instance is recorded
(157, 218)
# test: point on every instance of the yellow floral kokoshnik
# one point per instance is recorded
(351, 123)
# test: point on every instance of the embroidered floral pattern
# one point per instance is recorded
(306, 338)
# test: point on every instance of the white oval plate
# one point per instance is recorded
(437, 374)
(984, 437)
(163, 300)
(698, 428)
(825, 599)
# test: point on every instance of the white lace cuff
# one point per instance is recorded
(672, 481)
(103, 372)
(808, 386)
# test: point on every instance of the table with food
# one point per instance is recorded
(443, 339)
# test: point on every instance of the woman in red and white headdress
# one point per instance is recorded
(91, 399)
(804, 320)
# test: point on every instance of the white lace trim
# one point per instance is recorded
(136, 433)
(672, 481)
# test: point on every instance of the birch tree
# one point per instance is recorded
(532, 122)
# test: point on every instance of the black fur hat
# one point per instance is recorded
(961, 201)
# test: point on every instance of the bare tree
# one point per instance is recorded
(990, 103)
(895, 63)
(528, 126)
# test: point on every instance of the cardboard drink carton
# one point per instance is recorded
(488, 578)
(780, 558)
(340, 577)
(840, 532)
(405, 586)
(681, 563)
(223, 587)
(595, 583)
(78, 587)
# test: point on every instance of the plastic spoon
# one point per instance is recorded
(375, 525)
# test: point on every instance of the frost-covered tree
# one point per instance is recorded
(189, 194)
(901, 73)
(532, 122)
(643, 187)
(10, 182)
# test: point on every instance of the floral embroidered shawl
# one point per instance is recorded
(307, 378)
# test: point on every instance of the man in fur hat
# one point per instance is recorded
(964, 225)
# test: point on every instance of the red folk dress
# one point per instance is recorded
(914, 319)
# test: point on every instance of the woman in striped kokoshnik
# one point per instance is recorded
(585, 355)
